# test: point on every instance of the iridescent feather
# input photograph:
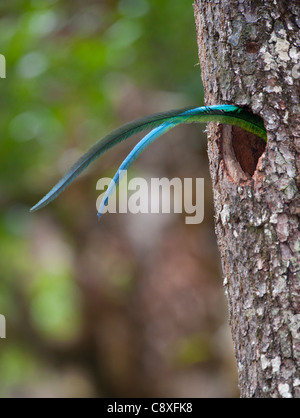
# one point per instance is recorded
(161, 122)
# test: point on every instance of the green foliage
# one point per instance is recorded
(67, 65)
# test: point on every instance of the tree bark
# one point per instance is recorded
(250, 56)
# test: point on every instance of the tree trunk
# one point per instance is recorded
(250, 56)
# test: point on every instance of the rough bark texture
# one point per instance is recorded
(249, 55)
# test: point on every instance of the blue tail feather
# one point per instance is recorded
(160, 123)
(132, 156)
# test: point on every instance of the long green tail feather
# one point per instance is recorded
(132, 156)
(227, 114)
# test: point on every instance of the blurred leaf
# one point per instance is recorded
(193, 350)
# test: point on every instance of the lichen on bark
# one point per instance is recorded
(248, 53)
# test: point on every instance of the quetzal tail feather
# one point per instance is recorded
(132, 156)
(227, 114)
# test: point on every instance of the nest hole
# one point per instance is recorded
(241, 152)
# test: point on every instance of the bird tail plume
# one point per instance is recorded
(159, 123)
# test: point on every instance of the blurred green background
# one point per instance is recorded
(132, 305)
